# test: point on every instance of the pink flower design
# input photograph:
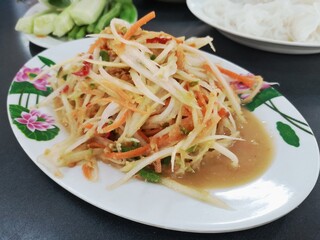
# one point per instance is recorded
(35, 120)
(28, 74)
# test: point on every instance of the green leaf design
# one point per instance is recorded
(15, 112)
(262, 97)
(38, 135)
(27, 87)
(288, 134)
(46, 61)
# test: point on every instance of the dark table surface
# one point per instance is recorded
(32, 206)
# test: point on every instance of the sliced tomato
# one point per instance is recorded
(84, 71)
(158, 40)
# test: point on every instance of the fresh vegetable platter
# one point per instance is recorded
(74, 19)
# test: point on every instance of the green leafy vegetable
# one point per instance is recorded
(149, 175)
(134, 145)
(104, 55)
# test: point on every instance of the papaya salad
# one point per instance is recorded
(145, 101)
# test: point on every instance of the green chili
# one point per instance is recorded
(81, 33)
(105, 20)
(91, 27)
(104, 55)
(72, 34)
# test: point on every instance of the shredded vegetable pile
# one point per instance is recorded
(144, 101)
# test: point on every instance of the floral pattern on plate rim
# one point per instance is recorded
(33, 123)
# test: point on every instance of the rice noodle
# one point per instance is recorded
(286, 20)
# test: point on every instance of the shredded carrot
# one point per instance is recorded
(201, 101)
(131, 31)
(72, 164)
(246, 80)
(157, 163)
(168, 140)
(88, 170)
(143, 136)
(151, 132)
(175, 134)
(157, 166)
(129, 154)
(223, 113)
(186, 111)
(180, 58)
(187, 123)
(116, 124)
(95, 145)
(98, 43)
(207, 68)
(88, 125)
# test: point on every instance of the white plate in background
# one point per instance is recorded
(277, 46)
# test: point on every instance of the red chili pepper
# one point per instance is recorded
(65, 89)
(158, 40)
(84, 71)
(107, 135)
(223, 113)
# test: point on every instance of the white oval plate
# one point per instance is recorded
(274, 194)
(277, 46)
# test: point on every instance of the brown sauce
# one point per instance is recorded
(255, 156)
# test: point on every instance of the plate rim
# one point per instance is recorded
(206, 229)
